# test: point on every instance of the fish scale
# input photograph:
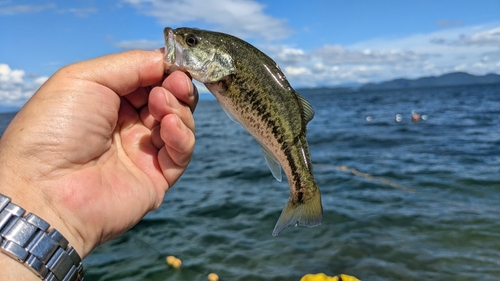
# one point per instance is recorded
(251, 88)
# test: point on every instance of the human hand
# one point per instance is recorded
(99, 144)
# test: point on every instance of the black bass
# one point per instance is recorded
(251, 88)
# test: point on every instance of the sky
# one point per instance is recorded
(315, 42)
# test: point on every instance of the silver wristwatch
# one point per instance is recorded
(27, 239)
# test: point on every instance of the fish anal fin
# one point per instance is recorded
(273, 165)
(308, 213)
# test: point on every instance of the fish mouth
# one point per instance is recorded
(172, 51)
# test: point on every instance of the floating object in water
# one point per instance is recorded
(323, 277)
(415, 117)
(424, 117)
(399, 118)
(177, 263)
(213, 277)
(253, 91)
(369, 118)
(368, 176)
(170, 260)
(173, 262)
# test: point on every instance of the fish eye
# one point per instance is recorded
(192, 40)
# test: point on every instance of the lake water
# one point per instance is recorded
(402, 200)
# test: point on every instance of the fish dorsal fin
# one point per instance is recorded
(307, 110)
(273, 165)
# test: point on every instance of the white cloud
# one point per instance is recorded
(488, 37)
(295, 71)
(243, 18)
(474, 49)
(141, 44)
(15, 87)
(8, 75)
(336, 54)
(288, 55)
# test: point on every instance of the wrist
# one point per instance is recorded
(36, 199)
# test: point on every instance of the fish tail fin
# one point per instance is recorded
(307, 213)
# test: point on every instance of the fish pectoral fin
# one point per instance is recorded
(229, 114)
(273, 165)
(308, 213)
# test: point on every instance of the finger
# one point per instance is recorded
(179, 140)
(179, 143)
(156, 138)
(181, 86)
(139, 97)
(147, 119)
(162, 102)
(123, 72)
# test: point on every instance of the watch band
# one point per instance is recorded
(28, 240)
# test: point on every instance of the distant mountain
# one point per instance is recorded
(450, 79)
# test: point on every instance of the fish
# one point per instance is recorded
(253, 91)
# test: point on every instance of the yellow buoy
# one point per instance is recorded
(170, 260)
(324, 277)
(213, 277)
(177, 263)
(346, 277)
(315, 277)
(173, 261)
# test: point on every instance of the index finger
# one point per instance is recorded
(124, 72)
(180, 85)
